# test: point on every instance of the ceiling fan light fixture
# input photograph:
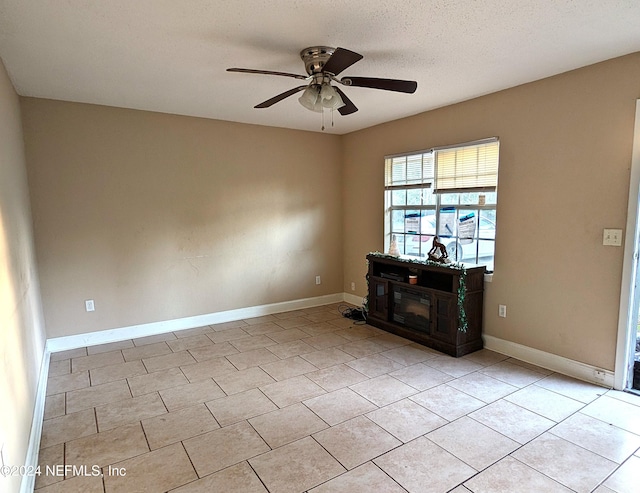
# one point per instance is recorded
(311, 99)
(329, 97)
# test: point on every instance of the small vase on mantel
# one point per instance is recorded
(393, 247)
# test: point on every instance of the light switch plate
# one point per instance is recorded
(612, 237)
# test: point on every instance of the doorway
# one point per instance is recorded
(628, 343)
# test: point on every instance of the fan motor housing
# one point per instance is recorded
(315, 57)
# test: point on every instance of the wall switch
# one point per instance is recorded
(353, 286)
(612, 237)
(89, 305)
(502, 310)
(318, 280)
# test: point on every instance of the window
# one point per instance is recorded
(449, 190)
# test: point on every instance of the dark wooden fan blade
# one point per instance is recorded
(408, 86)
(348, 107)
(280, 97)
(266, 72)
(340, 60)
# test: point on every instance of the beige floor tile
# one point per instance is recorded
(323, 316)
(473, 443)
(84, 484)
(288, 335)
(513, 374)
(239, 381)
(336, 377)
(65, 383)
(512, 421)
(406, 465)
(374, 365)
(339, 405)
(84, 363)
(296, 467)
(253, 342)
(179, 425)
(392, 341)
(289, 314)
(325, 341)
(288, 368)
(239, 478)
(456, 367)
(626, 477)
(570, 387)
(320, 329)
(325, 358)
(234, 324)
(357, 332)
(509, 476)
(48, 460)
(291, 391)
(68, 427)
(263, 328)
(420, 376)
(191, 342)
(598, 436)
(408, 355)
(191, 394)
(224, 447)
(107, 374)
(530, 366)
(617, 412)
(362, 348)
(356, 441)
(58, 368)
(228, 335)
(360, 480)
(77, 400)
(482, 387)
(255, 357)
(291, 349)
(287, 425)
(545, 402)
(566, 463)
(240, 406)
(153, 339)
(146, 351)
(214, 351)
(108, 447)
(159, 380)
(341, 323)
(167, 361)
(129, 411)
(485, 357)
(260, 320)
(293, 322)
(627, 397)
(406, 420)
(383, 390)
(160, 470)
(192, 332)
(208, 369)
(68, 354)
(109, 346)
(447, 402)
(54, 406)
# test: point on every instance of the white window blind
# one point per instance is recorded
(409, 171)
(467, 168)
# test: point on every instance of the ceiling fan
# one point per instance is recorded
(323, 64)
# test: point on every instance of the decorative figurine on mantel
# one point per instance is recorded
(438, 252)
(393, 247)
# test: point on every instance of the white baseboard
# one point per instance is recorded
(549, 361)
(133, 331)
(31, 460)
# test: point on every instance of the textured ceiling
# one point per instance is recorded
(171, 55)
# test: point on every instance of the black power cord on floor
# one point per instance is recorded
(358, 315)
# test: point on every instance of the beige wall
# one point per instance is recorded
(565, 155)
(21, 327)
(158, 217)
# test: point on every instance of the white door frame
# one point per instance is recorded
(630, 289)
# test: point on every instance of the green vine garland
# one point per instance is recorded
(462, 284)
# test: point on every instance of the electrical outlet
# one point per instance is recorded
(89, 305)
(353, 286)
(318, 281)
(502, 310)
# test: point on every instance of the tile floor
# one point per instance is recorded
(308, 401)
